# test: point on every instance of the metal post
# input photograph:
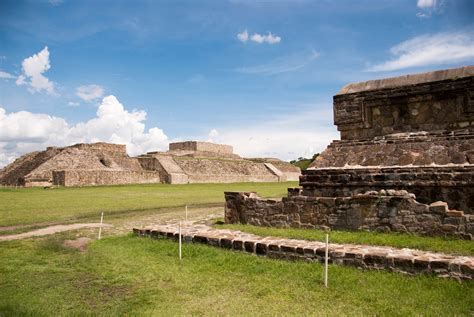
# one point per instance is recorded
(101, 220)
(179, 238)
(326, 261)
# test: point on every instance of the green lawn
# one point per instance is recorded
(32, 205)
(399, 240)
(141, 276)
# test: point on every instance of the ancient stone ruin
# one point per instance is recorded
(405, 162)
(109, 164)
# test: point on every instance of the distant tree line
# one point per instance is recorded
(303, 162)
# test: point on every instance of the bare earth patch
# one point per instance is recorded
(52, 230)
(79, 243)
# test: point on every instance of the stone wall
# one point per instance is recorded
(117, 149)
(405, 149)
(446, 103)
(201, 146)
(386, 211)
(101, 177)
(407, 261)
(452, 184)
(14, 174)
(224, 171)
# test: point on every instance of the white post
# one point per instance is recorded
(186, 212)
(179, 238)
(326, 261)
(101, 220)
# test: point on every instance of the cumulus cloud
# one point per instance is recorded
(436, 49)
(258, 38)
(33, 68)
(22, 132)
(89, 92)
(289, 63)
(6, 75)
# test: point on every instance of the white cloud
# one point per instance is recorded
(258, 38)
(213, 136)
(269, 38)
(285, 137)
(89, 92)
(289, 63)
(24, 126)
(428, 7)
(423, 4)
(73, 104)
(6, 75)
(436, 49)
(33, 68)
(20, 80)
(22, 132)
(243, 37)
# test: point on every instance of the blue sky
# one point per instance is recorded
(259, 75)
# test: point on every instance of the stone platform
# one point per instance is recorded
(453, 184)
(408, 261)
(410, 134)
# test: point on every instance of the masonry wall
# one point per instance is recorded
(452, 184)
(430, 106)
(201, 146)
(224, 171)
(91, 178)
(396, 211)
(454, 147)
(231, 178)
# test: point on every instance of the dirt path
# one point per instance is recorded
(117, 224)
(52, 230)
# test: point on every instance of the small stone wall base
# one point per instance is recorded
(383, 211)
(407, 261)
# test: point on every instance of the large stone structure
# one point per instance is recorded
(109, 164)
(406, 143)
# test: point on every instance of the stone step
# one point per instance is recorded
(408, 261)
(431, 136)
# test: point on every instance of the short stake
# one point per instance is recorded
(326, 261)
(101, 221)
(179, 239)
(186, 213)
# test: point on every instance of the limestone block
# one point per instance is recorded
(439, 207)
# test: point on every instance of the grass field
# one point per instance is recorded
(134, 275)
(32, 205)
(126, 275)
(399, 240)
